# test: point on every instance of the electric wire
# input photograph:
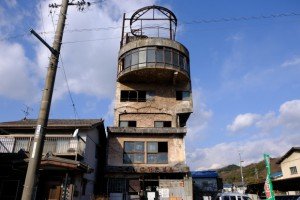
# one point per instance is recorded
(91, 40)
(66, 80)
(193, 22)
(247, 18)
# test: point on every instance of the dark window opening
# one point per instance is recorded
(183, 95)
(134, 96)
(83, 188)
(157, 152)
(293, 170)
(127, 124)
(162, 147)
(141, 96)
(161, 124)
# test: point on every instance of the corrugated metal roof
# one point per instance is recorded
(204, 174)
(53, 123)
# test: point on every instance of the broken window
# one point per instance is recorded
(134, 95)
(133, 152)
(127, 123)
(161, 124)
(157, 152)
(183, 95)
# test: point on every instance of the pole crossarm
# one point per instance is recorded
(53, 51)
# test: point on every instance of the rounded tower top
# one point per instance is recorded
(150, 21)
(148, 50)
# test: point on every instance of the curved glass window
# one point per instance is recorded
(162, 56)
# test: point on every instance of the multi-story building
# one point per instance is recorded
(72, 165)
(153, 101)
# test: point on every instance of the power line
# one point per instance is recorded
(91, 40)
(68, 87)
(200, 21)
(76, 116)
(247, 18)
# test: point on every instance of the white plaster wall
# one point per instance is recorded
(91, 138)
(291, 161)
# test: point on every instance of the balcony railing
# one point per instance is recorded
(57, 145)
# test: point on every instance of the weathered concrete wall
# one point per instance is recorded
(176, 150)
(163, 104)
(176, 189)
(147, 120)
(153, 42)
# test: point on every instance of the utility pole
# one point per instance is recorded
(242, 176)
(31, 180)
(256, 173)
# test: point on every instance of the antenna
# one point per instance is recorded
(26, 111)
(75, 132)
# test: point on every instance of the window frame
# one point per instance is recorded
(293, 170)
(134, 153)
(161, 55)
(130, 123)
(158, 152)
(136, 95)
(165, 124)
(183, 95)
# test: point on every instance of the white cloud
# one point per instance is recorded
(243, 121)
(290, 115)
(280, 133)
(90, 66)
(291, 62)
(16, 80)
(11, 3)
(224, 154)
(288, 118)
(200, 117)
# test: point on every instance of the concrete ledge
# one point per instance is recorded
(158, 131)
(147, 169)
(144, 42)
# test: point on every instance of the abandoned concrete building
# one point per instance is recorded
(153, 101)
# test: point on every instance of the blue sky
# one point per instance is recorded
(245, 73)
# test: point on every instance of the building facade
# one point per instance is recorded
(290, 163)
(153, 101)
(72, 166)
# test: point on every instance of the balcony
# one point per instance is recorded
(59, 145)
(152, 61)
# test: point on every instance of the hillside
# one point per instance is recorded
(232, 173)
